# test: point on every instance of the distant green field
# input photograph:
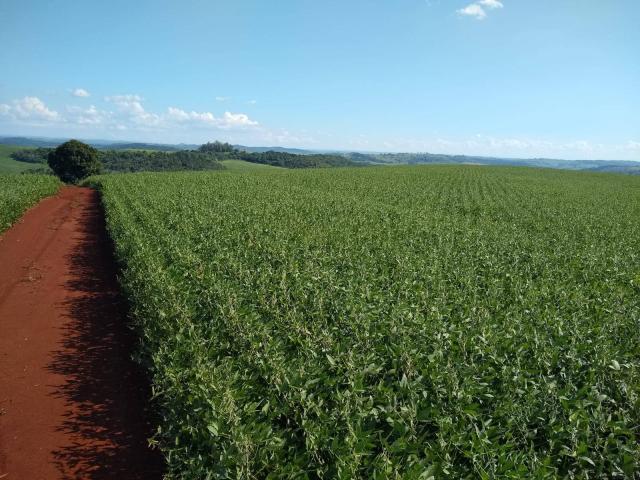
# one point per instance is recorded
(387, 323)
(8, 164)
(242, 166)
(19, 192)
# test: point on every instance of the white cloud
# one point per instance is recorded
(477, 9)
(88, 116)
(131, 106)
(129, 113)
(252, 102)
(33, 107)
(237, 120)
(491, 4)
(80, 92)
(222, 99)
(227, 121)
(632, 146)
(180, 115)
(29, 108)
(512, 147)
(473, 10)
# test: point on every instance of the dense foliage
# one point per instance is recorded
(19, 192)
(152, 161)
(291, 160)
(32, 155)
(143, 146)
(216, 147)
(207, 157)
(73, 160)
(401, 322)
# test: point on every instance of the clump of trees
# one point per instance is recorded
(32, 155)
(73, 160)
(148, 161)
(217, 147)
(292, 160)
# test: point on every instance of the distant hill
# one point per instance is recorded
(117, 145)
(296, 151)
(30, 141)
(629, 170)
(144, 146)
(99, 144)
(361, 158)
(611, 166)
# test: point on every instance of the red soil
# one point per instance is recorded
(72, 403)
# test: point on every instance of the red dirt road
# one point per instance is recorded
(72, 403)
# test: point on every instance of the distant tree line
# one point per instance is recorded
(291, 160)
(146, 161)
(217, 147)
(32, 155)
(207, 157)
(135, 160)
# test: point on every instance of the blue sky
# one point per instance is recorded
(522, 78)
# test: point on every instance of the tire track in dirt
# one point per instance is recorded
(72, 403)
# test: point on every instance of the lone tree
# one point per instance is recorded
(73, 160)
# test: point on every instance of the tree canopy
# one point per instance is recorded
(146, 161)
(216, 147)
(73, 160)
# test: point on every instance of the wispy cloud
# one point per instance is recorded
(478, 9)
(80, 92)
(516, 147)
(87, 116)
(131, 107)
(491, 4)
(252, 102)
(131, 110)
(223, 99)
(29, 109)
(129, 113)
(226, 121)
(473, 10)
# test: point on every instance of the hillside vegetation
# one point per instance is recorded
(332, 159)
(610, 166)
(290, 160)
(401, 322)
(208, 157)
(8, 164)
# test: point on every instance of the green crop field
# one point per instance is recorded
(8, 164)
(19, 192)
(242, 166)
(397, 322)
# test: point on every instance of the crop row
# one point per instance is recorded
(19, 192)
(392, 322)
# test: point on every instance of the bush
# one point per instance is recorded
(73, 160)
